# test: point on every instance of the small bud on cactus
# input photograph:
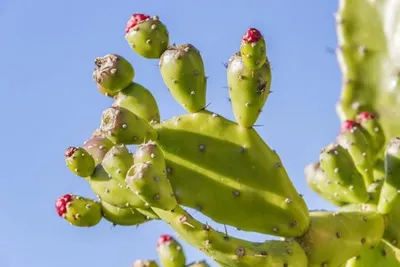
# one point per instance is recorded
(348, 125)
(371, 124)
(79, 161)
(147, 36)
(124, 127)
(97, 146)
(183, 72)
(112, 73)
(253, 49)
(117, 162)
(150, 152)
(79, 211)
(248, 89)
(170, 252)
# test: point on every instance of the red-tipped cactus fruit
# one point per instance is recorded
(253, 49)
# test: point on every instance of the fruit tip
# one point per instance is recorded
(347, 125)
(134, 20)
(163, 239)
(252, 35)
(61, 204)
(70, 151)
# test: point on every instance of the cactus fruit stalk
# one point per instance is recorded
(139, 100)
(183, 72)
(112, 73)
(79, 211)
(248, 89)
(253, 49)
(147, 36)
(79, 161)
(124, 127)
(170, 252)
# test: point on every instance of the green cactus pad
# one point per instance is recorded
(97, 146)
(117, 162)
(122, 216)
(112, 191)
(198, 264)
(392, 232)
(147, 36)
(112, 73)
(343, 180)
(382, 255)
(151, 185)
(145, 263)
(150, 152)
(248, 89)
(229, 251)
(182, 70)
(124, 127)
(253, 49)
(370, 63)
(391, 186)
(335, 237)
(140, 101)
(79, 161)
(317, 181)
(209, 157)
(79, 211)
(170, 252)
(356, 141)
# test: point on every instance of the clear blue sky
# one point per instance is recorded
(49, 102)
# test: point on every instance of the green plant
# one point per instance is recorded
(222, 162)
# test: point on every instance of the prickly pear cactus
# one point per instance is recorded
(178, 163)
(369, 58)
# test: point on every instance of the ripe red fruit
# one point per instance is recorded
(134, 20)
(347, 125)
(163, 239)
(252, 35)
(365, 115)
(70, 151)
(61, 204)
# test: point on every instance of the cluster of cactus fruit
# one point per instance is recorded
(359, 172)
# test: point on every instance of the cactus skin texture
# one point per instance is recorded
(79, 211)
(170, 252)
(347, 232)
(253, 49)
(226, 171)
(139, 100)
(79, 161)
(124, 127)
(112, 73)
(199, 175)
(183, 72)
(147, 36)
(248, 89)
(122, 216)
(391, 185)
(370, 62)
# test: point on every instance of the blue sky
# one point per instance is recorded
(51, 102)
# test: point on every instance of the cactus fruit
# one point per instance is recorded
(97, 146)
(370, 123)
(248, 89)
(147, 36)
(253, 49)
(124, 127)
(391, 185)
(150, 152)
(199, 174)
(112, 73)
(113, 191)
(122, 216)
(139, 100)
(117, 162)
(151, 185)
(79, 211)
(369, 62)
(346, 231)
(79, 161)
(356, 141)
(182, 70)
(170, 252)
(344, 181)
